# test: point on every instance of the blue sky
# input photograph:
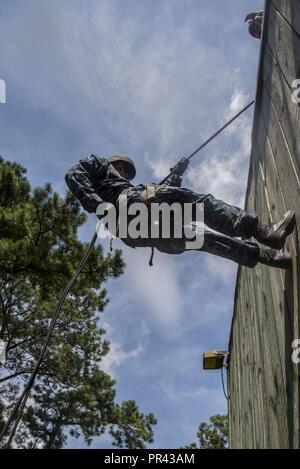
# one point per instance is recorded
(153, 79)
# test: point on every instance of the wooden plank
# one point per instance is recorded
(242, 428)
(271, 371)
(296, 367)
(291, 288)
(281, 196)
(234, 392)
(276, 377)
(234, 411)
(265, 400)
(290, 10)
(239, 384)
(259, 360)
(262, 208)
(232, 377)
(277, 388)
(246, 436)
(285, 311)
(255, 391)
(248, 354)
(285, 46)
(262, 430)
(287, 111)
(271, 356)
(275, 307)
(281, 156)
(276, 193)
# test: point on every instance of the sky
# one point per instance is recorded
(152, 79)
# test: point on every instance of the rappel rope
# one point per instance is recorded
(21, 402)
(223, 385)
(212, 137)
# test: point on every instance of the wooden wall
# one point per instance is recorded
(263, 382)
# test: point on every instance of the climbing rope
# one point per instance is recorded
(223, 385)
(21, 402)
(211, 138)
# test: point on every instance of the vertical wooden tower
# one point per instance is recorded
(263, 381)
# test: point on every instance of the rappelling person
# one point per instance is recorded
(95, 180)
(255, 20)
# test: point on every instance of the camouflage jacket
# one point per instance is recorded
(95, 180)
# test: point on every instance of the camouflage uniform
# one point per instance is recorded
(94, 180)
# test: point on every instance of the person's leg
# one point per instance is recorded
(218, 215)
(227, 219)
(232, 220)
(241, 252)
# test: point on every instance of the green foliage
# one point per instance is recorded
(39, 252)
(213, 435)
(131, 423)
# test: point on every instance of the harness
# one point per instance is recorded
(149, 192)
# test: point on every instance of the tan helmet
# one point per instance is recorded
(127, 161)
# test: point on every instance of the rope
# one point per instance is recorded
(226, 397)
(211, 138)
(21, 402)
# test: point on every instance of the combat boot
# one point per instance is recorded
(273, 258)
(275, 234)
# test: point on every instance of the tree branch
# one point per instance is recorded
(18, 373)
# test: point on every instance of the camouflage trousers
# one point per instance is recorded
(228, 221)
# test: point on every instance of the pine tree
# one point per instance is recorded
(39, 252)
(213, 435)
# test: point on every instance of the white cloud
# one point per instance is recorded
(117, 355)
(220, 268)
(157, 288)
(239, 99)
(176, 394)
(224, 168)
(107, 78)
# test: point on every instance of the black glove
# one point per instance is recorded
(180, 167)
(174, 180)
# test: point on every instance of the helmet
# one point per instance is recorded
(125, 160)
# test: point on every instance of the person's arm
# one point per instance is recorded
(81, 178)
(178, 170)
(174, 180)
